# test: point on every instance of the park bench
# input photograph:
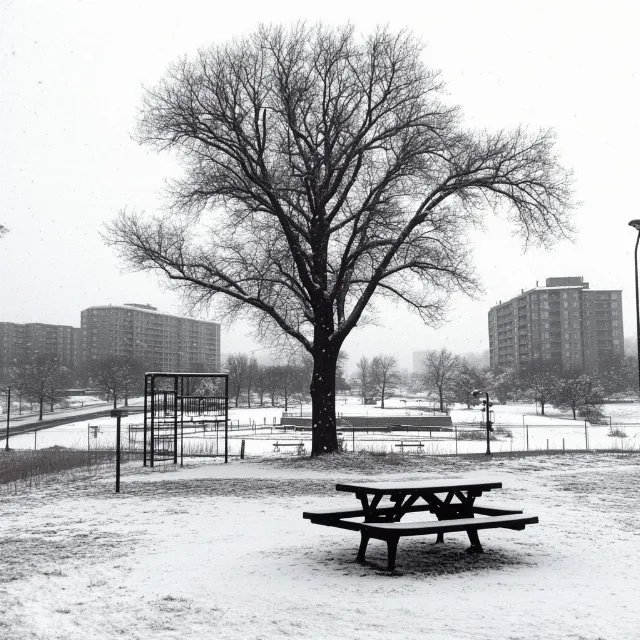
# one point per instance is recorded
(408, 445)
(298, 445)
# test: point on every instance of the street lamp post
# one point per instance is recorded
(487, 406)
(636, 225)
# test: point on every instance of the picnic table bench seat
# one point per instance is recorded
(391, 532)
(341, 517)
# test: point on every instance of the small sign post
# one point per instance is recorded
(117, 414)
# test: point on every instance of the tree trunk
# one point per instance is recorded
(324, 438)
(41, 405)
(115, 399)
(542, 404)
(441, 396)
(383, 390)
(51, 405)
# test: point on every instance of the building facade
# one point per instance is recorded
(563, 323)
(22, 342)
(162, 341)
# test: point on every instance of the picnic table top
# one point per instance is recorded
(433, 486)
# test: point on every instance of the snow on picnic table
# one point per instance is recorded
(222, 551)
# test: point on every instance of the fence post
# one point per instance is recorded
(118, 454)
(455, 432)
(353, 439)
(242, 450)
(527, 428)
(562, 445)
(35, 439)
(547, 445)
(586, 437)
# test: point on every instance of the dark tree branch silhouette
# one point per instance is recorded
(323, 172)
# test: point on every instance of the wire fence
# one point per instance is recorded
(198, 439)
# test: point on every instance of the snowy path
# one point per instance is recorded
(222, 551)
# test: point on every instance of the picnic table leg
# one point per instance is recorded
(362, 550)
(475, 547)
(392, 547)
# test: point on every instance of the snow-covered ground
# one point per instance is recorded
(519, 428)
(221, 551)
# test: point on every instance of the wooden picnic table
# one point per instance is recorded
(451, 501)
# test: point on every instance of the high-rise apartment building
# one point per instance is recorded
(21, 342)
(418, 361)
(564, 323)
(162, 341)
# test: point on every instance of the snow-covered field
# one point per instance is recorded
(519, 428)
(221, 551)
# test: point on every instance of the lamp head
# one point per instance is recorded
(635, 224)
(475, 393)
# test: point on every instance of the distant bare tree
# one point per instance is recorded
(384, 375)
(272, 376)
(41, 379)
(237, 365)
(323, 172)
(251, 377)
(286, 374)
(3, 230)
(439, 372)
(541, 376)
(117, 377)
(363, 368)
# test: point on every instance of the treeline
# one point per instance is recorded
(44, 381)
(276, 384)
(580, 391)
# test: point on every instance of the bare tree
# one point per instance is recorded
(251, 376)
(261, 383)
(541, 376)
(272, 376)
(576, 390)
(384, 375)
(324, 172)
(363, 368)
(3, 230)
(237, 365)
(439, 373)
(41, 379)
(117, 377)
(286, 375)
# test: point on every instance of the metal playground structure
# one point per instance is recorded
(178, 404)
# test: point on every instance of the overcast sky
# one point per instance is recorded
(71, 74)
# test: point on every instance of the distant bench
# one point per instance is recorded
(408, 445)
(298, 445)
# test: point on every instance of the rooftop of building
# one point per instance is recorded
(146, 308)
(557, 284)
(38, 324)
